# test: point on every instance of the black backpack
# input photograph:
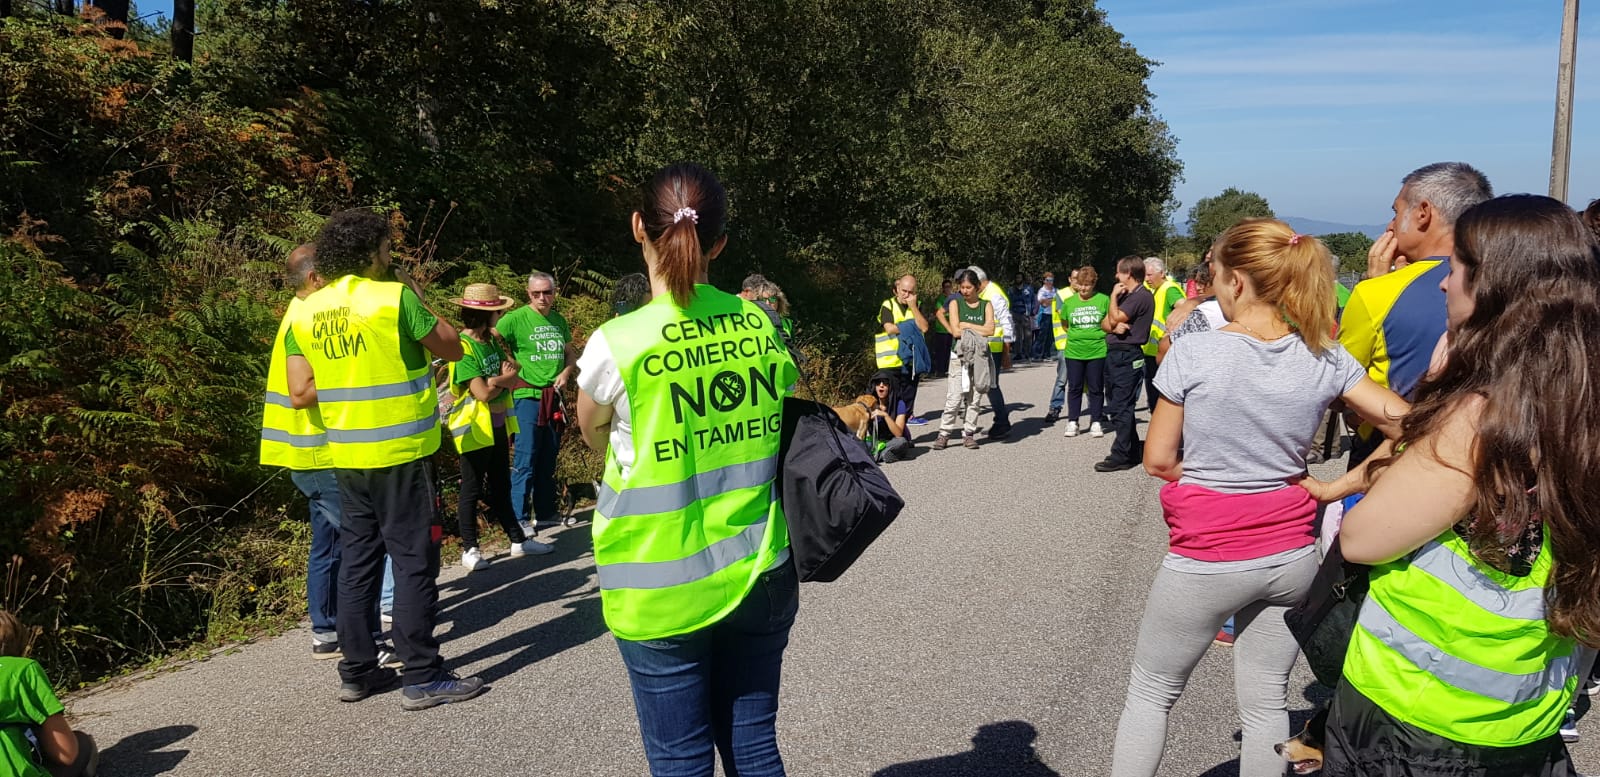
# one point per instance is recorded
(836, 499)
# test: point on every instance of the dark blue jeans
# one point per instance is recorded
(716, 690)
(1073, 376)
(322, 568)
(997, 398)
(533, 464)
(1124, 375)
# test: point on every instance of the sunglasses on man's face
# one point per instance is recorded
(541, 292)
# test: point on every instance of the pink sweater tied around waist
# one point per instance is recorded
(1208, 525)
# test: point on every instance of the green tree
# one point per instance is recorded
(1212, 216)
(1350, 247)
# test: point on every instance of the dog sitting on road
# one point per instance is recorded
(858, 414)
(1303, 751)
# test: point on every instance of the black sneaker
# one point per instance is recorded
(999, 432)
(1052, 417)
(1110, 465)
(445, 690)
(376, 681)
(320, 649)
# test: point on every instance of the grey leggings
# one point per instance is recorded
(1180, 619)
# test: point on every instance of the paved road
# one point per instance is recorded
(987, 634)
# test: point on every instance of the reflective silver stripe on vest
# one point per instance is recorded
(1458, 573)
(670, 497)
(1506, 687)
(294, 440)
(365, 393)
(666, 574)
(460, 431)
(384, 433)
(281, 400)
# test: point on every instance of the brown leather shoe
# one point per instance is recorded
(969, 441)
(941, 443)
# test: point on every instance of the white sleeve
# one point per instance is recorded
(597, 370)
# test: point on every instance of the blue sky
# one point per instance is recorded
(1322, 105)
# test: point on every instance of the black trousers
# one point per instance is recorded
(388, 509)
(908, 390)
(939, 348)
(1150, 392)
(486, 474)
(1124, 377)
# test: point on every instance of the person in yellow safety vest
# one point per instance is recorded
(481, 420)
(685, 396)
(358, 351)
(1487, 554)
(1167, 293)
(1004, 332)
(295, 440)
(897, 310)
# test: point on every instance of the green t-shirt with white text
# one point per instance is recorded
(538, 343)
(1086, 341)
(25, 700)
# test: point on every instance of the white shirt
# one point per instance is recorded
(598, 377)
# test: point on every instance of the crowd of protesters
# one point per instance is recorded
(1466, 363)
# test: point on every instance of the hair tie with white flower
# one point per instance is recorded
(686, 213)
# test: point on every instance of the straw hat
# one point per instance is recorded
(483, 296)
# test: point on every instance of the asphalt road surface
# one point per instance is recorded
(987, 634)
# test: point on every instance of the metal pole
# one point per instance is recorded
(1561, 146)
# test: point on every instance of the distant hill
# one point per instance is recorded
(1314, 227)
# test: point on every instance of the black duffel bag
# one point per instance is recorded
(836, 499)
(1324, 622)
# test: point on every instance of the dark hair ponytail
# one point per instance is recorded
(685, 210)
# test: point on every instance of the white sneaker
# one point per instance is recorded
(527, 528)
(1095, 430)
(473, 560)
(535, 547)
(1072, 429)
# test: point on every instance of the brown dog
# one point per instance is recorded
(1303, 751)
(857, 414)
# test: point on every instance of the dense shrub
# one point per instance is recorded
(146, 207)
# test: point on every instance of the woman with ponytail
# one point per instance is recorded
(1241, 403)
(685, 396)
(1485, 530)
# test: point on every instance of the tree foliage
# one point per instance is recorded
(1212, 216)
(149, 203)
(1351, 248)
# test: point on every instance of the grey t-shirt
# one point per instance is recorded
(1250, 408)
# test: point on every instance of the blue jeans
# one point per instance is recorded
(533, 464)
(716, 690)
(322, 568)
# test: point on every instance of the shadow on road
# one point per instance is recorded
(1004, 748)
(137, 754)
(490, 596)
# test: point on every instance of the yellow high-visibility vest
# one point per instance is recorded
(378, 412)
(290, 438)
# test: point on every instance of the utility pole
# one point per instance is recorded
(183, 29)
(1561, 146)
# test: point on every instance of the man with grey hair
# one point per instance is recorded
(541, 343)
(1167, 293)
(753, 281)
(1395, 317)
